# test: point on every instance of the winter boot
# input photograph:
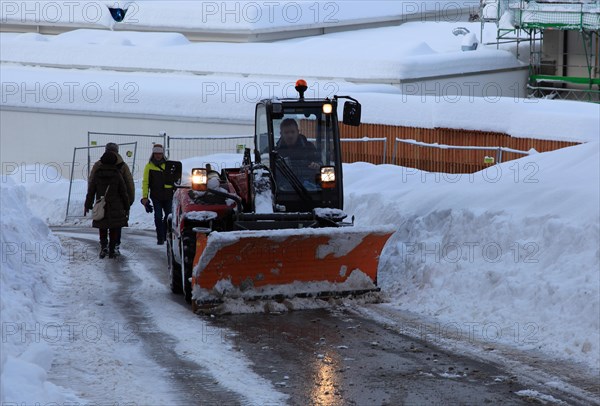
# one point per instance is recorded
(103, 250)
(111, 250)
(117, 250)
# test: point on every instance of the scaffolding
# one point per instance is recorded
(563, 43)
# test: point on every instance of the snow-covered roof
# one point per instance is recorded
(164, 75)
(386, 55)
(245, 21)
(232, 99)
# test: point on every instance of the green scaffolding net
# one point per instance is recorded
(567, 15)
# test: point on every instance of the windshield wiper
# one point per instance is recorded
(298, 187)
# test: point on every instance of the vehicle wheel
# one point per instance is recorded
(187, 288)
(174, 268)
(187, 259)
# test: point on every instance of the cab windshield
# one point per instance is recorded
(305, 141)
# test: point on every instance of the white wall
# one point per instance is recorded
(489, 85)
(57, 133)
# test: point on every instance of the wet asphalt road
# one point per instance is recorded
(328, 356)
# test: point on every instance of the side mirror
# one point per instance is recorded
(173, 172)
(352, 113)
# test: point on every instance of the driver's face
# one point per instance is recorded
(289, 134)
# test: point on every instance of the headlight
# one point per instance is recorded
(327, 108)
(327, 177)
(199, 178)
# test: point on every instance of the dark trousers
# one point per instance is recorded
(114, 234)
(160, 220)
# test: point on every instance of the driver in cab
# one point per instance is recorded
(294, 145)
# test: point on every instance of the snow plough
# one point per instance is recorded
(273, 228)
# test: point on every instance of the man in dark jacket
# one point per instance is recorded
(159, 189)
(294, 145)
(107, 181)
(127, 177)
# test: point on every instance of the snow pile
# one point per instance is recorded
(510, 254)
(31, 257)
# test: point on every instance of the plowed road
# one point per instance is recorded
(344, 355)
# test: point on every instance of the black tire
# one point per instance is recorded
(174, 269)
(187, 260)
(187, 289)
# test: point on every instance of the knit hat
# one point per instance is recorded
(158, 149)
(111, 146)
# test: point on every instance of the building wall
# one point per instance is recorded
(557, 43)
(43, 138)
(577, 61)
(489, 85)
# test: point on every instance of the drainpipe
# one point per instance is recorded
(565, 59)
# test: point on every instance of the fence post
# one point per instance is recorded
(71, 181)
(165, 143)
(89, 158)
(499, 155)
(134, 158)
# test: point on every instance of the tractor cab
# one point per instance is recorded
(299, 141)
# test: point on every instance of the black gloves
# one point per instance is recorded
(147, 205)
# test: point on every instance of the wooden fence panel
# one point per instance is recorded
(436, 159)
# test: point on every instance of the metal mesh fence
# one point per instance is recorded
(144, 143)
(181, 147)
(83, 160)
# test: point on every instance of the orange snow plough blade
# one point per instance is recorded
(290, 262)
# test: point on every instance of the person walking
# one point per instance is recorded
(127, 177)
(107, 181)
(156, 186)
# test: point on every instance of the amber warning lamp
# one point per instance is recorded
(301, 87)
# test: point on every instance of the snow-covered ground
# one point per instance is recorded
(508, 255)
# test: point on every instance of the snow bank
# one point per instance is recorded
(508, 255)
(30, 254)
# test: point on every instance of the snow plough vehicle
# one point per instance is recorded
(273, 228)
